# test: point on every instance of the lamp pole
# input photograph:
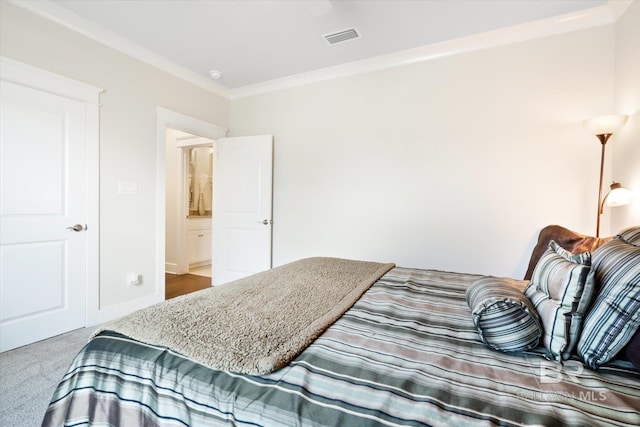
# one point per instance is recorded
(603, 127)
(603, 137)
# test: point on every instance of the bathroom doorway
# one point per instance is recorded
(189, 190)
(197, 174)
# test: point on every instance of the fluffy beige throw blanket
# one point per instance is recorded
(257, 324)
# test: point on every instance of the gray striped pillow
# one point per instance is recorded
(504, 317)
(631, 235)
(560, 291)
(615, 314)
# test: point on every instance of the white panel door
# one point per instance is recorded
(242, 199)
(42, 193)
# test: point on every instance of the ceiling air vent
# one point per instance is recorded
(342, 36)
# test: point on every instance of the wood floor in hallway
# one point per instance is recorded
(176, 285)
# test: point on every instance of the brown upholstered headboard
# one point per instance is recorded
(570, 240)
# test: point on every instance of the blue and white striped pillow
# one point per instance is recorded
(561, 292)
(504, 317)
(615, 314)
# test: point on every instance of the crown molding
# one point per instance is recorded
(618, 7)
(62, 16)
(602, 15)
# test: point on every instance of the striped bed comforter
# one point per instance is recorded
(406, 354)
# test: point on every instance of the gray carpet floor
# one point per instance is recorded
(30, 374)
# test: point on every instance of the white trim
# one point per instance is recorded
(182, 247)
(171, 267)
(178, 121)
(602, 15)
(93, 213)
(182, 122)
(37, 78)
(29, 76)
(62, 16)
(106, 314)
(194, 142)
(618, 7)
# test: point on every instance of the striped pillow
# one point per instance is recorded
(561, 293)
(631, 235)
(505, 318)
(615, 315)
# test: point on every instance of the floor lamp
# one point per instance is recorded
(603, 127)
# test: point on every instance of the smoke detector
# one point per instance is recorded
(342, 36)
(215, 74)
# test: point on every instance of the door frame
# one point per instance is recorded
(17, 72)
(183, 258)
(178, 121)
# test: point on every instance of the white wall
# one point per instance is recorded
(453, 163)
(128, 141)
(626, 144)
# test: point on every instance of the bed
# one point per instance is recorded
(407, 352)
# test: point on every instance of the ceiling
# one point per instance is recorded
(256, 41)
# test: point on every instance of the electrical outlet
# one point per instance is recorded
(133, 279)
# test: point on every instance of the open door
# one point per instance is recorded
(242, 204)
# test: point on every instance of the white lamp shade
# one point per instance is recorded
(619, 197)
(605, 124)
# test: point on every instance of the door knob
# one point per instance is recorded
(265, 221)
(76, 228)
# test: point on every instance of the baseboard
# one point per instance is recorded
(195, 265)
(171, 267)
(112, 312)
